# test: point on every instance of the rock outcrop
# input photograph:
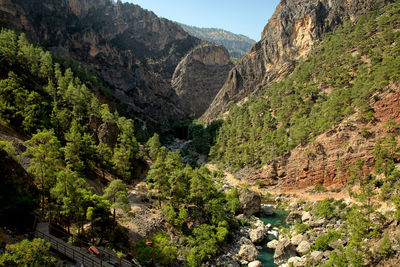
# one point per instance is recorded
(326, 160)
(199, 76)
(288, 36)
(134, 52)
(250, 200)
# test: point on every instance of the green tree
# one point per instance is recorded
(44, 150)
(72, 195)
(232, 201)
(153, 147)
(201, 187)
(27, 254)
(121, 161)
(80, 149)
(116, 192)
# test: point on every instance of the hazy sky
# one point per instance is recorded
(238, 16)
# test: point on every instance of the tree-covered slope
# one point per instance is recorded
(238, 45)
(341, 77)
(71, 137)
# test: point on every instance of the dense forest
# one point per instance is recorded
(359, 61)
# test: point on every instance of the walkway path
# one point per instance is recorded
(88, 260)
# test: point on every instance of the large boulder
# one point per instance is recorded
(319, 223)
(293, 217)
(250, 200)
(307, 216)
(267, 210)
(303, 248)
(248, 253)
(297, 262)
(317, 255)
(273, 244)
(255, 264)
(284, 251)
(296, 240)
(257, 234)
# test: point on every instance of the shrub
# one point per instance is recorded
(322, 242)
(320, 188)
(385, 249)
(301, 228)
(324, 209)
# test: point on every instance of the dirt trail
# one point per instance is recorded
(295, 195)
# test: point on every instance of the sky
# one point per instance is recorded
(237, 16)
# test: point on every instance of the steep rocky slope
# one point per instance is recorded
(289, 35)
(238, 45)
(312, 126)
(131, 49)
(197, 77)
(327, 160)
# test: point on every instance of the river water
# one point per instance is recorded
(266, 256)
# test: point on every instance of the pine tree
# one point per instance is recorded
(44, 150)
(116, 192)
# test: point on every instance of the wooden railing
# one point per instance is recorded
(70, 251)
(107, 259)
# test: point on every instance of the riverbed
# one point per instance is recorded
(266, 256)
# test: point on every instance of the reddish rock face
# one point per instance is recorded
(326, 160)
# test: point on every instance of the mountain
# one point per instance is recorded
(134, 52)
(339, 106)
(287, 38)
(238, 45)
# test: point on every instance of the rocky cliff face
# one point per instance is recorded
(327, 160)
(198, 77)
(288, 36)
(133, 51)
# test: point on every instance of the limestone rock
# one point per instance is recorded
(296, 240)
(255, 264)
(293, 217)
(318, 223)
(303, 248)
(199, 76)
(248, 253)
(289, 35)
(132, 50)
(283, 252)
(297, 262)
(257, 234)
(306, 216)
(273, 244)
(267, 210)
(250, 201)
(317, 255)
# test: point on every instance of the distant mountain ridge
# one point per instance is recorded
(237, 44)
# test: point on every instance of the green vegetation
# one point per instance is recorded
(10, 149)
(161, 250)
(28, 254)
(325, 89)
(188, 195)
(48, 98)
(322, 242)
